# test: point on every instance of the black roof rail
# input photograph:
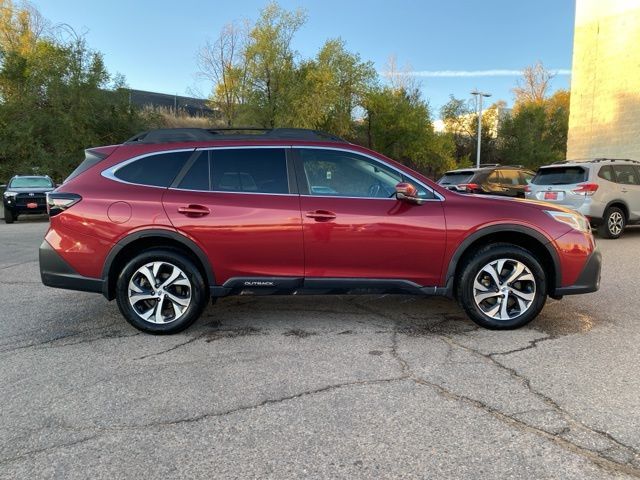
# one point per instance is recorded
(597, 160)
(485, 165)
(168, 135)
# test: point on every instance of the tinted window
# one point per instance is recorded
(510, 177)
(255, 170)
(157, 170)
(197, 178)
(526, 177)
(345, 174)
(626, 174)
(606, 173)
(455, 178)
(31, 182)
(560, 176)
(494, 177)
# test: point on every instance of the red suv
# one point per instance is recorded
(173, 217)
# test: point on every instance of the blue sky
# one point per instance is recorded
(154, 43)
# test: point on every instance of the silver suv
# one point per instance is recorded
(606, 191)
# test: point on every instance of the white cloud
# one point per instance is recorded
(478, 73)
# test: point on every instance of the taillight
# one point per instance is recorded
(469, 187)
(59, 202)
(586, 189)
(527, 188)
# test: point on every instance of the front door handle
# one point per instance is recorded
(624, 190)
(320, 215)
(194, 211)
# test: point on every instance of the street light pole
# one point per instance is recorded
(478, 94)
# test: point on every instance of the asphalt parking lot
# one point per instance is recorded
(317, 387)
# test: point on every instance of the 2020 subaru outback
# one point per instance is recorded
(174, 217)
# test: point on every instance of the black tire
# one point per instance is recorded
(483, 257)
(198, 291)
(613, 223)
(9, 216)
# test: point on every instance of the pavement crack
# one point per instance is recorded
(174, 347)
(46, 449)
(531, 344)
(557, 436)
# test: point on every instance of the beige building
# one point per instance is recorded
(604, 119)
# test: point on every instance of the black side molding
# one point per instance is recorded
(589, 279)
(57, 273)
(311, 286)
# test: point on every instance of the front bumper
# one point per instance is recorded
(57, 273)
(589, 279)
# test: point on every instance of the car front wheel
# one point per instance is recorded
(161, 291)
(502, 286)
(9, 216)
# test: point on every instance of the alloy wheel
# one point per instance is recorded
(615, 223)
(159, 292)
(504, 289)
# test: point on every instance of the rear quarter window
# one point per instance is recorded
(560, 176)
(606, 172)
(156, 170)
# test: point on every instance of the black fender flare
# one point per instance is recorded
(483, 232)
(169, 234)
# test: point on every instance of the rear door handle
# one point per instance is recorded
(624, 190)
(194, 211)
(320, 215)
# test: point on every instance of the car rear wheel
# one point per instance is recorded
(9, 216)
(613, 223)
(161, 291)
(502, 286)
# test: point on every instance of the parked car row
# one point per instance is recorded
(171, 218)
(606, 191)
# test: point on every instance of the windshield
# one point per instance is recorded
(560, 176)
(455, 178)
(31, 182)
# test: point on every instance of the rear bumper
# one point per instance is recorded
(57, 273)
(589, 279)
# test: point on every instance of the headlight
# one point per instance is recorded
(9, 194)
(576, 221)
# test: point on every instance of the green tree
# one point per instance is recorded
(56, 97)
(536, 132)
(270, 62)
(329, 88)
(398, 124)
(460, 119)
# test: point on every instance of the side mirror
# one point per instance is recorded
(3, 186)
(406, 192)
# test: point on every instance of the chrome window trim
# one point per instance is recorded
(109, 173)
(236, 193)
(439, 198)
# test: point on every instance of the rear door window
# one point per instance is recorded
(455, 178)
(510, 177)
(560, 176)
(249, 170)
(156, 170)
(626, 174)
(198, 176)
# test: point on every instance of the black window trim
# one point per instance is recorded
(293, 190)
(111, 171)
(634, 169)
(302, 180)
